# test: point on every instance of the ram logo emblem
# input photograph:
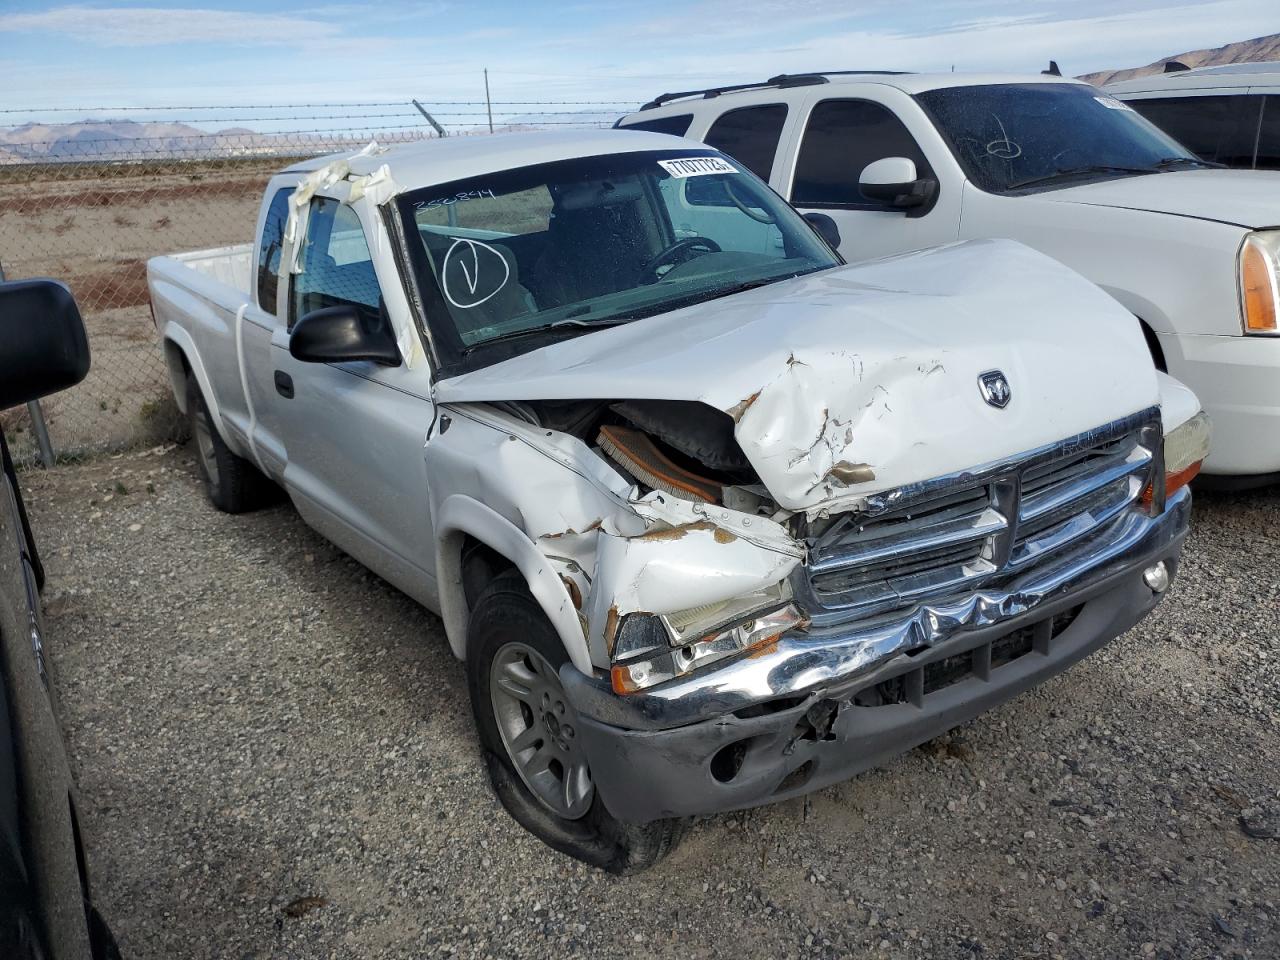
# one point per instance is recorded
(995, 388)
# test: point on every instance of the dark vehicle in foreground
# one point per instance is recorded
(46, 910)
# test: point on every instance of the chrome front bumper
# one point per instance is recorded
(681, 727)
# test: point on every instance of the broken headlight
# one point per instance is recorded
(1185, 449)
(654, 649)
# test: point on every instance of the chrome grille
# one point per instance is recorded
(929, 541)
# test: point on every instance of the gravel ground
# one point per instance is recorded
(276, 759)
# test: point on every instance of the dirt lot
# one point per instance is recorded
(276, 760)
(94, 226)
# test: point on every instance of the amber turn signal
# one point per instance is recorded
(1258, 289)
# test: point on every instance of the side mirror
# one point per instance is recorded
(43, 344)
(893, 181)
(345, 332)
(826, 228)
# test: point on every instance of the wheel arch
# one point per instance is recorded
(462, 523)
(183, 361)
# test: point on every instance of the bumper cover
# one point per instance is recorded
(822, 706)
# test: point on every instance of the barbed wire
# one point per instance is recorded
(317, 106)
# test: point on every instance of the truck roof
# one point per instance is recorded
(441, 160)
(911, 83)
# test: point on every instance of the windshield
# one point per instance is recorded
(1015, 136)
(510, 261)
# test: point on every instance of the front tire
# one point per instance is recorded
(529, 742)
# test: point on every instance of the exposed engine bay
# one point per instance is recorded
(683, 448)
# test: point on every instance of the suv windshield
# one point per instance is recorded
(511, 261)
(1041, 135)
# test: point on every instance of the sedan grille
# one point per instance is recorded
(923, 543)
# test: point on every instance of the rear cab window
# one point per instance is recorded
(269, 247)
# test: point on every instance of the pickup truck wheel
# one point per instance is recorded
(527, 737)
(233, 484)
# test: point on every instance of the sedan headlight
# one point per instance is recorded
(1185, 449)
(653, 649)
(1260, 282)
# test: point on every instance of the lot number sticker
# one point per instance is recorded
(697, 166)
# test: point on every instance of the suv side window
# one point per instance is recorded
(337, 268)
(269, 251)
(841, 138)
(1219, 128)
(750, 136)
(1269, 135)
(677, 125)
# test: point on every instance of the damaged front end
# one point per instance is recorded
(747, 654)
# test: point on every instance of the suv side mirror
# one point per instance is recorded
(826, 228)
(342, 333)
(893, 181)
(43, 344)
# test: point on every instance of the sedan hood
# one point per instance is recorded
(1245, 198)
(865, 378)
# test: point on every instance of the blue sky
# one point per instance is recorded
(166, 52)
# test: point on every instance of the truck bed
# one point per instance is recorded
(231, 266)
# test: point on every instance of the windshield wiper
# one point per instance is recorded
(1167, 162)
(558, 328)
(1076, 172)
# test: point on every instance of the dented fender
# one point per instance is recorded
(591, 548)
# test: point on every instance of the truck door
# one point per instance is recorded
(840, 137)
(355, 431)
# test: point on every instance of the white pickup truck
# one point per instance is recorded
(712, 522)
(906, 161)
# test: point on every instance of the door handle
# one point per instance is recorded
(284, 385)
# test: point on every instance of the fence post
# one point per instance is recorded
(430, 119)
(41, 430)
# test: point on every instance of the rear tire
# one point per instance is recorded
(510, 639)
(233, 484)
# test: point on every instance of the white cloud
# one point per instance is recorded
(156, 26)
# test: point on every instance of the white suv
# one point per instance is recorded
(898, 162)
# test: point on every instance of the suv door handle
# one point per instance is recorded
(284, 385)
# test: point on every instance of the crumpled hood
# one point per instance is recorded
(865, 378)
(1246, 198)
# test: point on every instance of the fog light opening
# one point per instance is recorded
(1156, 577)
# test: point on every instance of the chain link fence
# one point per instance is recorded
(88, 202)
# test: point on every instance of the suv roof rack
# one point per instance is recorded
(781, 81)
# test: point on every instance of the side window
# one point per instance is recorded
(677, 125)
(337, 267)
(1222, 129)
(841, 138)
(749, 135)
(269, 250)
(1269, 136)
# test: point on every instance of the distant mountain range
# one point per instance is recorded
(132, 140)
(1244, 51)
(108, 139)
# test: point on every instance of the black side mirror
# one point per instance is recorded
(43, 344)
(345, 332)
(826, 228)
